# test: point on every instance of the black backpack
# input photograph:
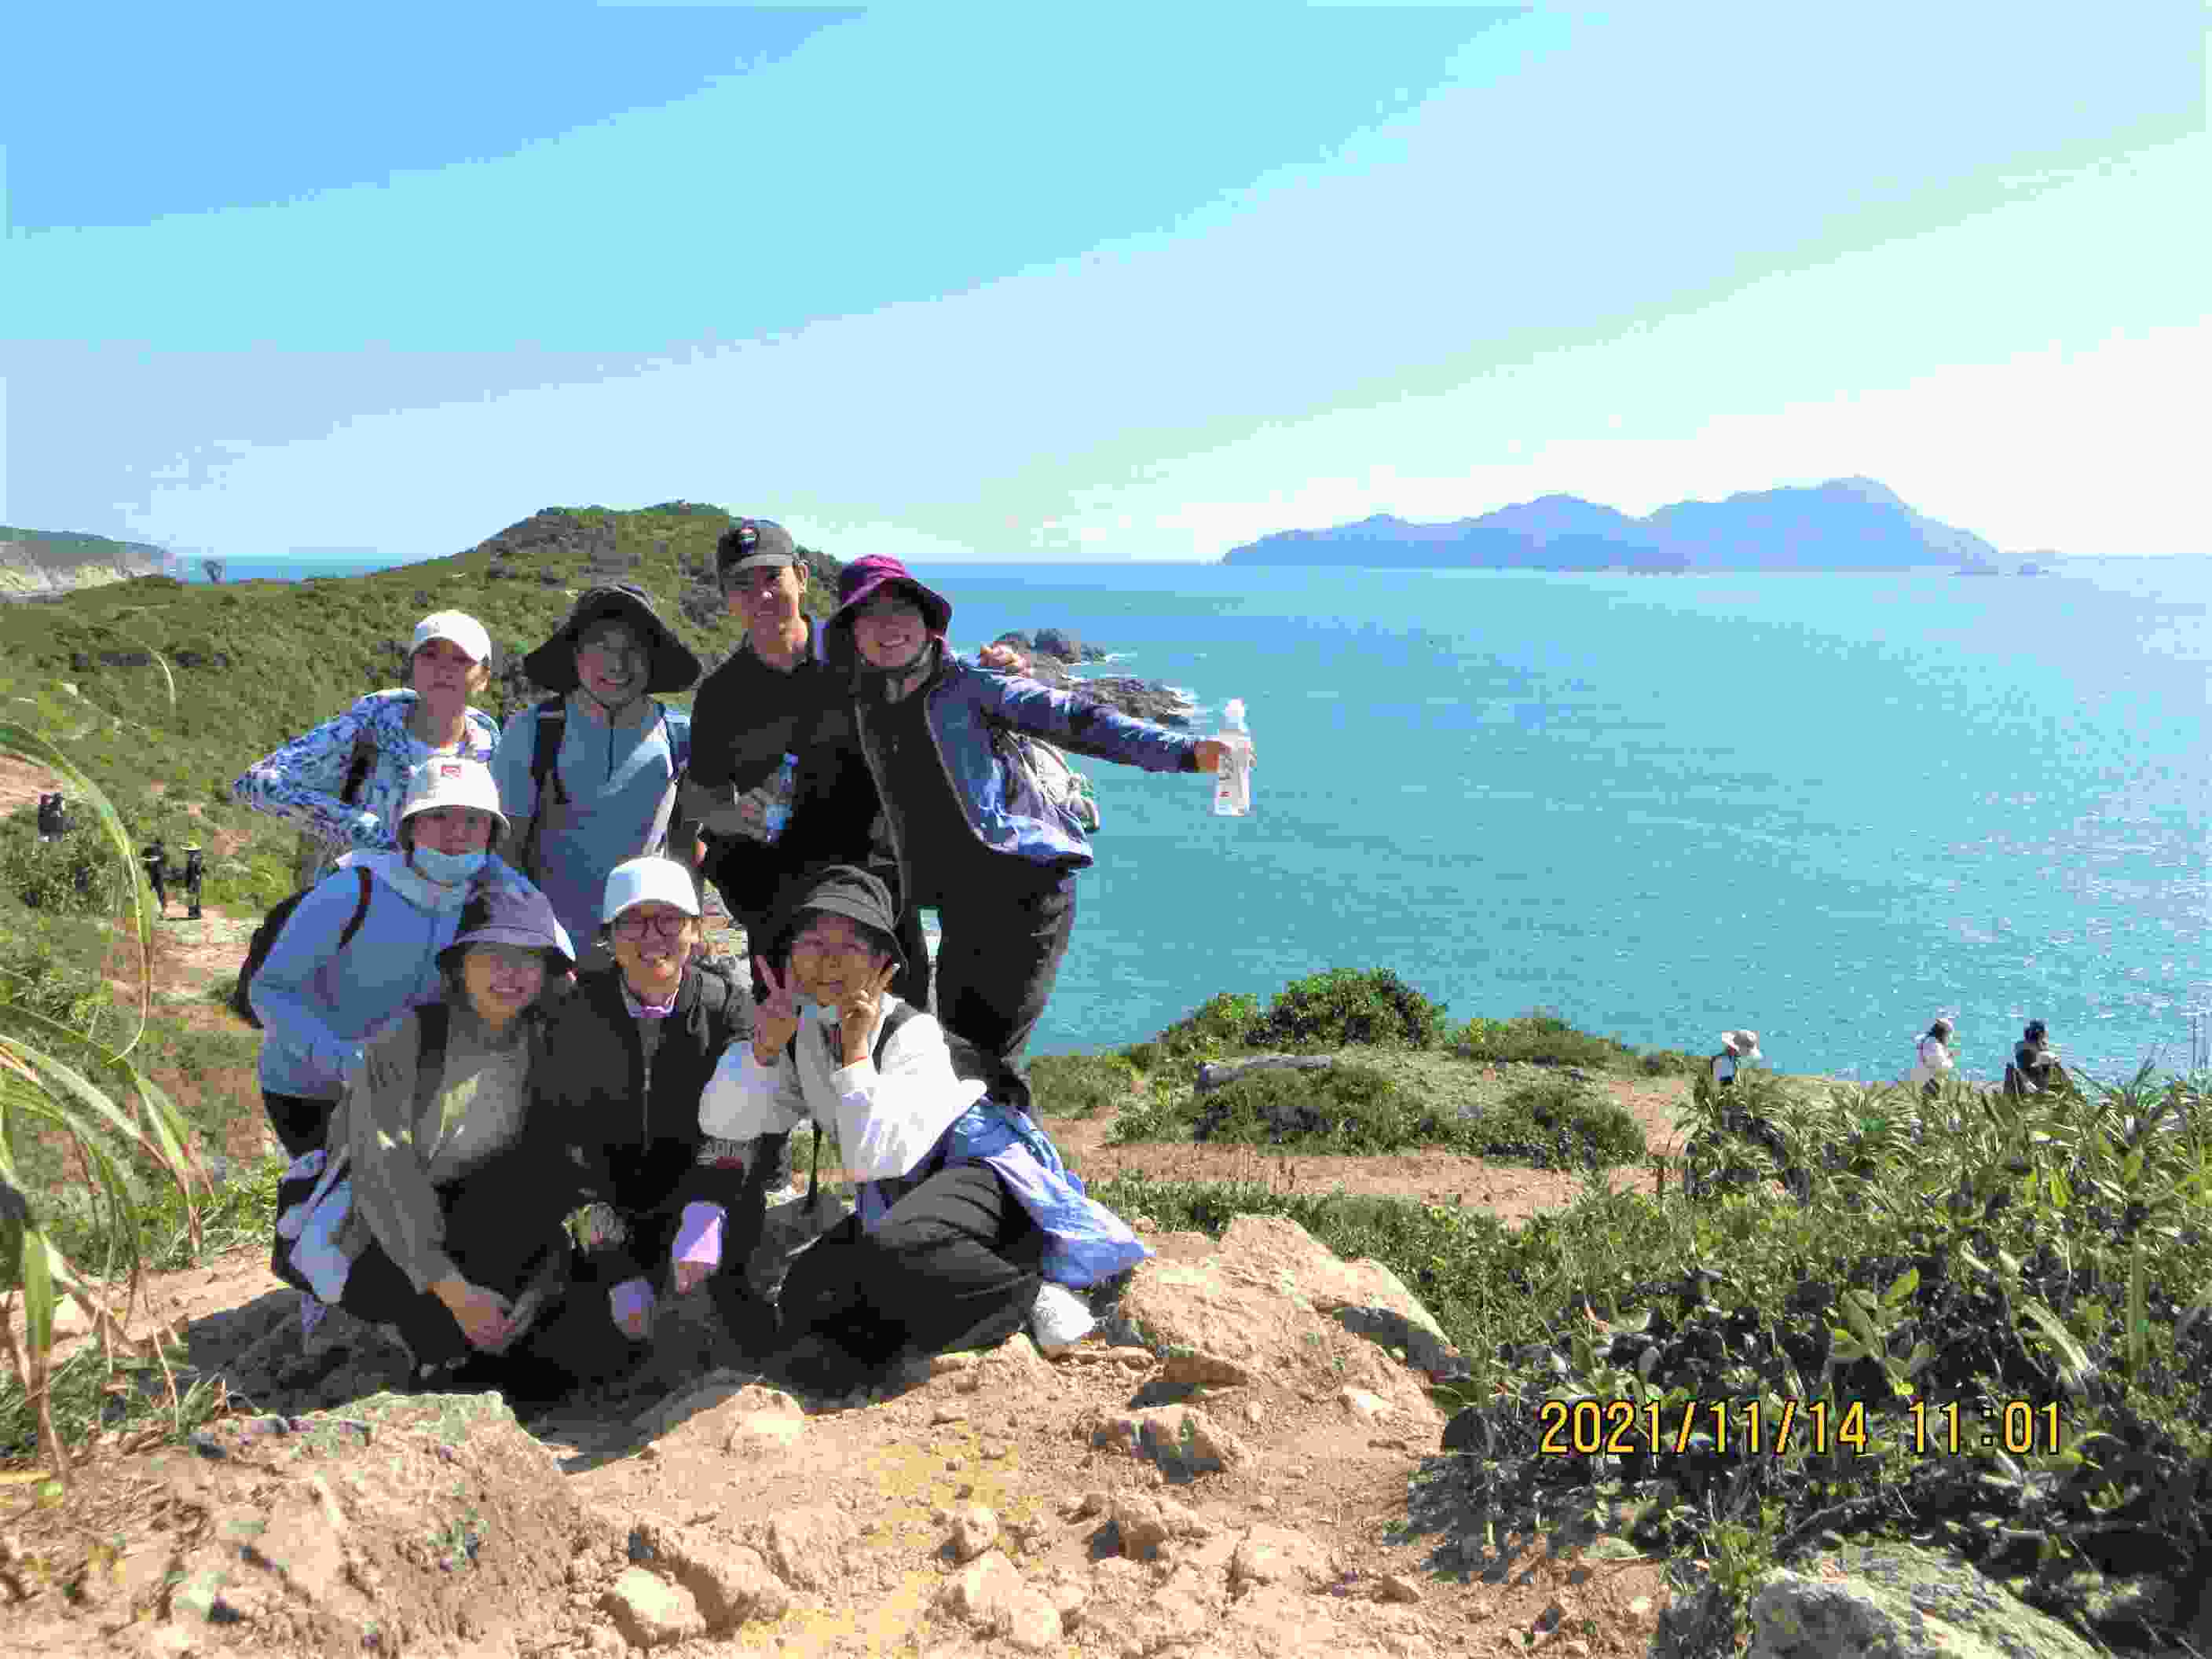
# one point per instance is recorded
(264, 935)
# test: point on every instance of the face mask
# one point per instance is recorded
(446, 869)
(824, 1013)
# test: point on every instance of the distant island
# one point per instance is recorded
(1846, 524)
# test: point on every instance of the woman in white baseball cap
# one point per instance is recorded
(672, 1208)
(342, 783)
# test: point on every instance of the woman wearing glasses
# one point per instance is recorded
(628, 1055)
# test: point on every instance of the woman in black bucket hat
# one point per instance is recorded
(609, 754)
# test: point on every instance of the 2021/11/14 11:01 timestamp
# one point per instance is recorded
(1586, 1428)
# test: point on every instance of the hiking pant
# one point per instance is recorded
(1001, 946)
(500, 1241)
(299, 1122)
(750, 878)
(955, 1265)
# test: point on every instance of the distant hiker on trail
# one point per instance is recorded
(318, 1001)
(628, 1058)
(1932, 1060)
(968, 1223)
(1737, 1048)
(776, 696)
(155, 858)
(343, 783)
(998, 867)
(52, 825)
(195, 871)
(611, 753)
(2034, 1067)
(436, 1206)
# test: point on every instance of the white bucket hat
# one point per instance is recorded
(645, 881)
(458, 626)
(452, 780)
(1744, 1045)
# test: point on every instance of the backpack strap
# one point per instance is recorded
(433, 1021)
(551, 725)
(359, 765)
(360, 910)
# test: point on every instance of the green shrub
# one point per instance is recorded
(76, 876)
(1345, 1108)
(1669, 1063)
(1078, 1085)
(1539, 1037)
(1555, 1125)
(1144, 1057)
(1222, 1022)
(1343, 1007)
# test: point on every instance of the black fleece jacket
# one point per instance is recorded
(631, 1128)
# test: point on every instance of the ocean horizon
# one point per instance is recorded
(1825, 805)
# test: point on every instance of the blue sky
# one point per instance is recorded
(967, 282)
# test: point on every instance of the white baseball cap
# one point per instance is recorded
(459, 627)
(451, 780)
(645, 881)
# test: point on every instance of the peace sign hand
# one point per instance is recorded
(776, 1021)
(860, 1010)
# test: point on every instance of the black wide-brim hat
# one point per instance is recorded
(496, 914)
(673, 665)
(841, 890)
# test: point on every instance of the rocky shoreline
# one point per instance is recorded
(1054, 656)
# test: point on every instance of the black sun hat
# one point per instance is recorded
(840, 889)
(675, 666)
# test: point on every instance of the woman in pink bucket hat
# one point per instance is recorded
(972, 839)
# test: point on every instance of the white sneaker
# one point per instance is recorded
(1059, 1319)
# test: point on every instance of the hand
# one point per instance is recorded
(691, 1275)
(776, 1020)
(631, 1304)
(1003, 659)
(481, 1314)
(861, 1011)
(1211, 752)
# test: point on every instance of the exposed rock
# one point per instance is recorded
(1396, 1587)
(975, 1529)
(989, 1593)
(730, 1583)
(649, 1611)
(1270, 1302)
(1903, 1601)
(1144, 1522)
(1276, 1555)
(1181, 1439)
(1361, 1403)
(1059, 642)
(1215, 1072)
(807, 1547)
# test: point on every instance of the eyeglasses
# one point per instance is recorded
(813, 946)
(669, 927)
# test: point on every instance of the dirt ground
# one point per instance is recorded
(852, 1507)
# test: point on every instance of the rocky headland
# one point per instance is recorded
(44, 563)
(1055, 654)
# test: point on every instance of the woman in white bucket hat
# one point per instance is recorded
(1738, 1049)
(343, 783)
(630, 1053)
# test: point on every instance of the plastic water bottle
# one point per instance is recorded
(780, 789)
(1232, 784)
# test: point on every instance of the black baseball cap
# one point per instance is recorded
(754, 545)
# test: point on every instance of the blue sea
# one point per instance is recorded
(1825, 806)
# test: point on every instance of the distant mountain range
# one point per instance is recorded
(1846, 524)
(36, 562)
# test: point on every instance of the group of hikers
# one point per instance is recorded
(2033, 1069)
(523, 1106)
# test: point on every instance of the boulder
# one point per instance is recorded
(1276, 1555)
(1215, 1072)
(649, 1611)
(975, 1529)
(1901, 1601)
(1269, 1302)
(1059, 642)
(990, 1594)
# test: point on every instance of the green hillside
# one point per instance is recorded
(253, 663)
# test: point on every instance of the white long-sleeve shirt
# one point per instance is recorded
(1934, 1059)
(886, 1122)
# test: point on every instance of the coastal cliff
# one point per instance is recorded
(40, 563)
